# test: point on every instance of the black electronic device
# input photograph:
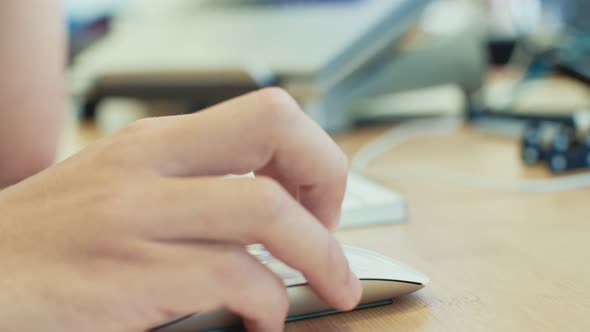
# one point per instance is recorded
(562, 147)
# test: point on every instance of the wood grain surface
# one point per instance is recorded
(498, 261)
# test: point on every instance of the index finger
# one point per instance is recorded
(261, 131)
(261, 211)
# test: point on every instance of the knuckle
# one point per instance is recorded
(123, 149)
(278, 106)
(141, 126)
(118, 148)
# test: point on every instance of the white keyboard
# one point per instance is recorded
(369, 203)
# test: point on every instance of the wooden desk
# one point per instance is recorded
(498, 261)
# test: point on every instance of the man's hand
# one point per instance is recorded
(142, 226)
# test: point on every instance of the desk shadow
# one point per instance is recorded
(371, 318)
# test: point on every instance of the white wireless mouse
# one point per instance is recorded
(382, 278)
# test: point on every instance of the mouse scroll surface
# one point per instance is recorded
(382, 278)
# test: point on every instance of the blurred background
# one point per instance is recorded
(518, 68)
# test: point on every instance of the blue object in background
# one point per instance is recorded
(88, 20)
(81, 11)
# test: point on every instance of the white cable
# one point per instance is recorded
(440, 126)
(445, 126)
(566, 183)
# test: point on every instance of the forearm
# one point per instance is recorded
(32, 86)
